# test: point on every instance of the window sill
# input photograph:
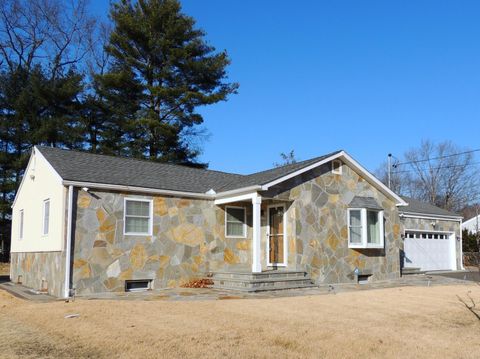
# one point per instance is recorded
(238, 237)
(361, 246)
(137, 234)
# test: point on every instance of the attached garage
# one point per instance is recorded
(432, 237)
(430, 251)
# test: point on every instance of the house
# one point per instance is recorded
(472, 225)
(89, 223)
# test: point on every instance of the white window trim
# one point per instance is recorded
(363, 217)
(43, 216)
(244, 222)
(21, 224)
(150, 216)
(337, 171)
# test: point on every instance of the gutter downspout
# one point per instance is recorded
(68, 247)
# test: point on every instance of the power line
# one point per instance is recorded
(435, 158)
(440, 167)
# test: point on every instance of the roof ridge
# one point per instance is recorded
(137, 159)
(296, 163)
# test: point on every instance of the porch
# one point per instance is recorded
(265, 224)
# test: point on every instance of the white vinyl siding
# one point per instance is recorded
(46, 217)
(235, 222)
(138, 217)
(365, 228)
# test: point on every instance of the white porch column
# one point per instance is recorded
(256, 238)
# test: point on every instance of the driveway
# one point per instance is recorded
(472, 276)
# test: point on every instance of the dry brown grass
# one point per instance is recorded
(4, 268)
(402, 323)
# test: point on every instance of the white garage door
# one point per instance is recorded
(429, 250)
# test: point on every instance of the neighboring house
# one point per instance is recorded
(93, 223)
(472, 225)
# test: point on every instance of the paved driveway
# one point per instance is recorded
(473, 276)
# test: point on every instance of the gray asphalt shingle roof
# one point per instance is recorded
(364, 202)
(416, 206)
(87, 167)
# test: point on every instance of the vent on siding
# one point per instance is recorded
(138, 285)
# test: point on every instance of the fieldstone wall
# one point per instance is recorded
(421, 224)
(39, 270)
(188, 241)
(317, 203)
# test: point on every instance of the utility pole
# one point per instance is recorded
(389, 170)
(477, 237)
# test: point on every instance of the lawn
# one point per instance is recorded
(408, 322)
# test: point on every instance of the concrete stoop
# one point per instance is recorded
(261, 282)
(412, 270)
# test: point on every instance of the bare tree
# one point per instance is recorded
(53, 33)
(442, 174)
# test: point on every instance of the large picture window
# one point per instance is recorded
(235, 223)
(365, 228)
(138, 217)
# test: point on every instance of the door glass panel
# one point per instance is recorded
(276, 237)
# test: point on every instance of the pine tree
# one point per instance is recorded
(174, 72)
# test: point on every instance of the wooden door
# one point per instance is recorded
(276, 235)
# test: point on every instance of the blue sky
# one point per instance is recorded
(370, 77)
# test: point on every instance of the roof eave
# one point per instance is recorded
(115, 187)
(420, 214)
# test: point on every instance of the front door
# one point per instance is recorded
(276, 235)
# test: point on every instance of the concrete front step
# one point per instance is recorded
(265, 281)
(261, 275)
(412, 270)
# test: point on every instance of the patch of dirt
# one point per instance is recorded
(408, 322)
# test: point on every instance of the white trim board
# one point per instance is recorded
(429, 216)
(346, 158)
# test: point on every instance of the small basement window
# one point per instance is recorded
(363, 278)
(138, 285)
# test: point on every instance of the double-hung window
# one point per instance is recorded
(46, 217)
(235, 222)
(138, 217)
(365, 228)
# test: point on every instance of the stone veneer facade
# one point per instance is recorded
(188, 241)
(420, 224)
(317, 228)
(39, 270)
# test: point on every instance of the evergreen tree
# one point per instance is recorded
(171, 71)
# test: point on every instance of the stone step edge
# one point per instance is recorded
(264, 280)
(264, 289)
(260, 273)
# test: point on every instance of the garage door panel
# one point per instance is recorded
(428, 251)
